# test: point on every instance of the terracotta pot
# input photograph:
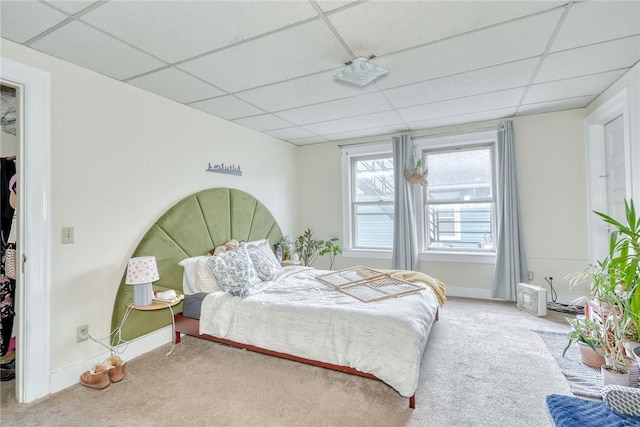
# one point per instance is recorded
(613, 378)
(590, 357)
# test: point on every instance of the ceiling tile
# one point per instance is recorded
(504, 43)
(506, 76)
(374, 131)
(498, 114)
(313, 89)
(309, 48)
(380, 27)
(361, 122)
(71, 6)
(571, 88)
(227, 107)
(612, 55)
(469, 104)
(329, 5)
(21, 21)
(78, 43)
(308, 140)
(562, 104)
(176, 85)
(289, 133)
(190, 28)
(263, 122)
(347, 107)
(608, 19)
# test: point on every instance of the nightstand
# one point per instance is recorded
(159, 305)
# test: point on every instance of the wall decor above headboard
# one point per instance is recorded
(222, 168)
(191, 227)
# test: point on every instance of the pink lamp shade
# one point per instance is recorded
(141, 271)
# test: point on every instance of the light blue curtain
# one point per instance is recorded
(511, 263)
(405, 248)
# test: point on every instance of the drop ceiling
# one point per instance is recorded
(270, 65)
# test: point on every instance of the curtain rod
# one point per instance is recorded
(421, 136)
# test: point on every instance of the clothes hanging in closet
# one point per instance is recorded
(7, 286)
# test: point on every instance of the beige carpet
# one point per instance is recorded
(484, 366)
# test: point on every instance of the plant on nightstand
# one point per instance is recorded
(308, 248)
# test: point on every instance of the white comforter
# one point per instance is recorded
(303, 317)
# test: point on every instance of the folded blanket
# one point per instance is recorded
(569, 411)
(419, 277)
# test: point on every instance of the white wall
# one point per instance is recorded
(550, 153)
(120, 158)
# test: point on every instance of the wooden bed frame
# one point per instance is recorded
(190, 326)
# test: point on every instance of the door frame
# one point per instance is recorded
(33, 296)
(595, 123)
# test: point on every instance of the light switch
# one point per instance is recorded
(67, 235)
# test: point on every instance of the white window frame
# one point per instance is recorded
(348, 153)
(423, 143)
(449, 142)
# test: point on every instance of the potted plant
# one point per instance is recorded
(308, 248)
(615, 291)
(588, 334)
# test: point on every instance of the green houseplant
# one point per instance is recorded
(614, 288)
(308, 248)
(588, 335)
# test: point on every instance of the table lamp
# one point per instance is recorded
(141, 271)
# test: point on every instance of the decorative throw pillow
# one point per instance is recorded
(189, 279)
(265, 247)
(623, 400)
(267, 267)
(234, 271)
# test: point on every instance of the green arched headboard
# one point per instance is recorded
(192, 227)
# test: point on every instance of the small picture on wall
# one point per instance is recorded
(8, 109)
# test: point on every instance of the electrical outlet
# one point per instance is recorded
(82, 333)
(530, 277)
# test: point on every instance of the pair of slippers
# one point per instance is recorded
(103, 374)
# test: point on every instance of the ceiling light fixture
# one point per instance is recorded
(360, 71)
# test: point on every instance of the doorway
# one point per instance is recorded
(609, 168)
(33, 347)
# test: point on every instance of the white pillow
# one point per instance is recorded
(206, 281)
(265, 246)
(234, 271)
(189, 278)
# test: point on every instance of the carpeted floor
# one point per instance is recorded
(484, 366)
(583, 380)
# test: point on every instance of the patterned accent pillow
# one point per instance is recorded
(234, 272)
(267, 267)
(623, 400)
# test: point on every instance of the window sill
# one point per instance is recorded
(442, 256)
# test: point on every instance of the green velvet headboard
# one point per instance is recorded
(192, 227)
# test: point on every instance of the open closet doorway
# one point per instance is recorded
(33, 165)
(609, 168)
(9, 144)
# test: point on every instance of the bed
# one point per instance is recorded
(292, 314)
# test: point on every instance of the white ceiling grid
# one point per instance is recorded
(269, 65)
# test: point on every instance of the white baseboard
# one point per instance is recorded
(70, 375)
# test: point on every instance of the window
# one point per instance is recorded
(372, 201)
(459, 205)
(455, 212)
